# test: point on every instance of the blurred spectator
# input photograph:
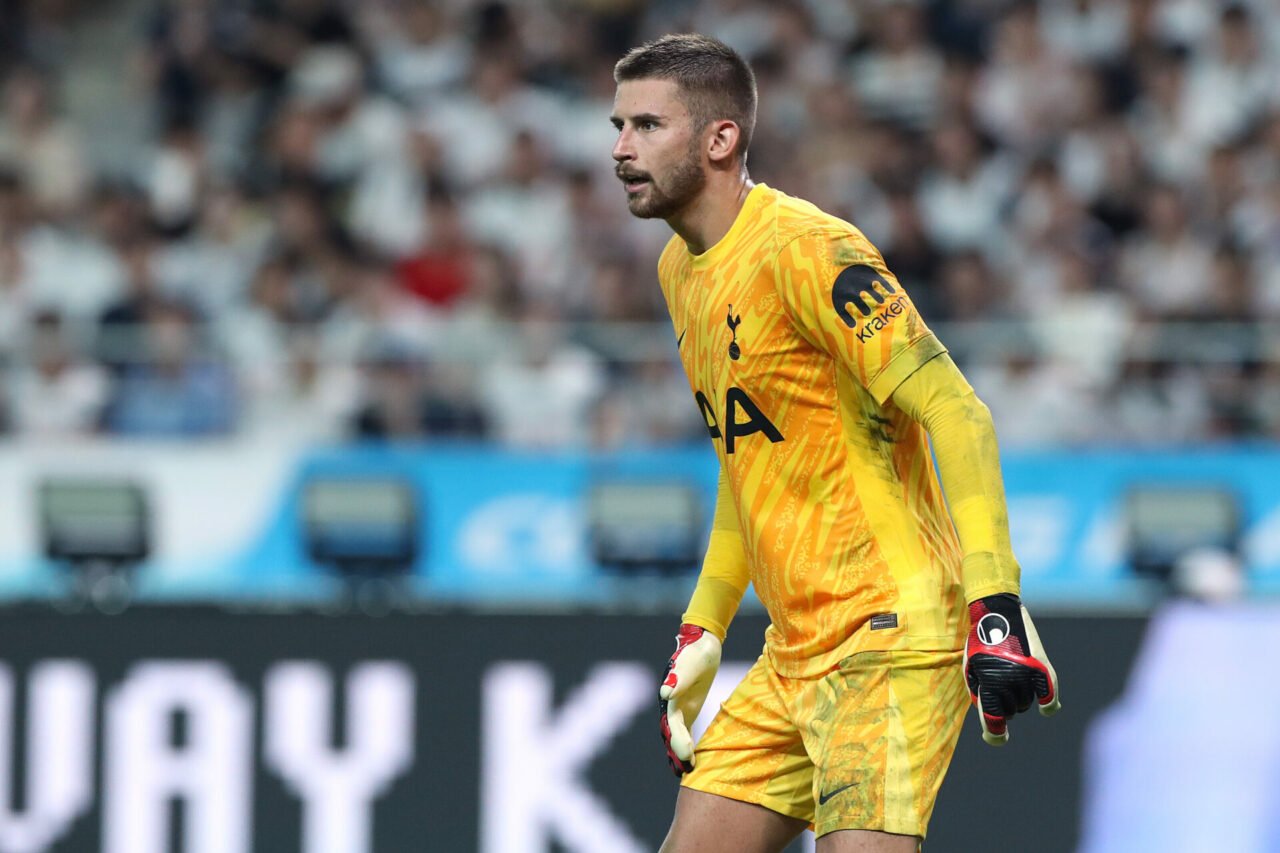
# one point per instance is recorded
(212, 264)
(178, 178)
(1045, 219)
(361, 144)
(1165, 268)
(1230, 403)
(743, 24)
(1155, 402)
(1225, 191)
(279, 32)
(13, 307)
(305, 399)
(77, 267)
(1088, 130)
(1118, 200)
(1232, 79)
(648, 404)
(962, 195)
(43, 147)
(577, 137)
(58, 394)
(15, 295)
(1035, 403)
(477, 124)
(1226, 338)
(899, 76)
(121, 327)
(480, 321)
(176, 391)
(1084, 327)
(909, 252)
(618, 295)
(373, 308)
(526, 209)
(1020, 92)
(888, 161)
(970, 289)
(974, 299)
(1173, 136)
(181, 40)
(233, 117)
(1086, 30)
(1232, 292)
(406, 400)
(257, 334)
(440, 270)
(596, 234)
(544, 397)
(419, 48)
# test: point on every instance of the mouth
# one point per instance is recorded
(633, 183)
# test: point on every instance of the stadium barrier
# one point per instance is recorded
(203, 730)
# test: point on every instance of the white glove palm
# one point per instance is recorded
(690, 672)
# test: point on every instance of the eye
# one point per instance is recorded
(648, 124)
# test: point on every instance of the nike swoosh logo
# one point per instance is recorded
(680, 339)
(826, 795)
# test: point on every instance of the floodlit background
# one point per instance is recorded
(350, 488)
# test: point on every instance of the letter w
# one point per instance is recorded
(59, 754)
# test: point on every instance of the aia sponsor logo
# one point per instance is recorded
(742, 417)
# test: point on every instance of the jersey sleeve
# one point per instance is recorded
(938, 397)
(724, 575)
(843, 299)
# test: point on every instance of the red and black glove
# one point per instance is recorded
(690, 672)
(1006, 666)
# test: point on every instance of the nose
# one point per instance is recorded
(622, 150)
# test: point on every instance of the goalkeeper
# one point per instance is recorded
(821, 388)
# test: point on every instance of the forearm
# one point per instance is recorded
(964, 444)
(724, 576)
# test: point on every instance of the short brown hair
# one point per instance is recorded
(714, 80)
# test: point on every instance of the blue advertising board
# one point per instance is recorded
(497, 525)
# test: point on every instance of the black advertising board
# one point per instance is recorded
(197, 730)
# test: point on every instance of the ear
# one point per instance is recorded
(723, 145)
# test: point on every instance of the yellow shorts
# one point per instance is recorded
(863, 747)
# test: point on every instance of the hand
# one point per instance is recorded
(690, 672)
(1006, 666)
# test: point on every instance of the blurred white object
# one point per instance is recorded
(325, 75)
(1210, 575)
(1186, 761)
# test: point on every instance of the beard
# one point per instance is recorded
(663, 200)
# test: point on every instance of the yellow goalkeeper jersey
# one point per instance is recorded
(794, 335)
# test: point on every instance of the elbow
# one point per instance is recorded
(977, 410)
(979, 417)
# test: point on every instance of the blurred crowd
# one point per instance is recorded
(397, 219)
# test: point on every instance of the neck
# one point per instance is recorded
(706, 219)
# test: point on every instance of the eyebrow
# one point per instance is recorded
(636, 119)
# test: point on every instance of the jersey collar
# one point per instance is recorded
(751, 204)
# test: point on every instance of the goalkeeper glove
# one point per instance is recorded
(690, 672)
(1006, 666)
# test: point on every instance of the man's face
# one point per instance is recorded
(658, 152)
